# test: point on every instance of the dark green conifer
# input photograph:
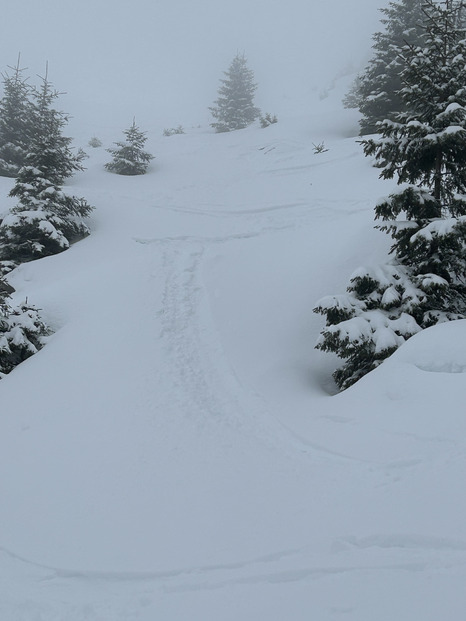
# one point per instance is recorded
(130, 158)
(424, 149)
(22, 332)
(57, 160)
(376, 91)
(234, 108)
(45, 220)
(16, 119)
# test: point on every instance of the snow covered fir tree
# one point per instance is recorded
(22, 332)
(376, 92)
(234, 108)
(58, 160)
(129, 158)
(16, 118)
(424, 149)
(46, 220)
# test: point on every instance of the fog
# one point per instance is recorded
(161, 60)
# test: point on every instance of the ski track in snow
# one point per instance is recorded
(200, 365)
(122, 596)
(301, 213)
(430, 552)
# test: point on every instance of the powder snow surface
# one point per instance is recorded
(177, 451)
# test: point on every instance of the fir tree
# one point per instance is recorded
(22, 332)
(425, 150)
(376, 91)
(130, 158)
(234, 108)
(95, 142)
(58, 162)
(46, 220)
(16, 117)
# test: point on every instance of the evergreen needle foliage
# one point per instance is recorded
(173, 131)
(22, 332)
(234, 108)
(424, 149)
(57, 160)
(95, 142)
(376, 91)
(16, 120)
(268, 119)
(130, 158)
(46, 220)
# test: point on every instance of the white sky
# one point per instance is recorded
(161, 60)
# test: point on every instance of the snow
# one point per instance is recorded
(391, 296)
(47, 227)
(177, 449)
(439, 228)
(452, 107)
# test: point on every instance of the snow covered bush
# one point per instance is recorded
(234, 108)
(319, 148)
(130, 158)
(268, 119)
(22, 333)
(173, 131)
(425, 150)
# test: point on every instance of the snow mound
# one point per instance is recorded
(439, 349)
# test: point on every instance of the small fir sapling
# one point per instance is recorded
(268, 119)
(129, 158)
(319, 148)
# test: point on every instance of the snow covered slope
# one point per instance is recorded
(177, 451)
